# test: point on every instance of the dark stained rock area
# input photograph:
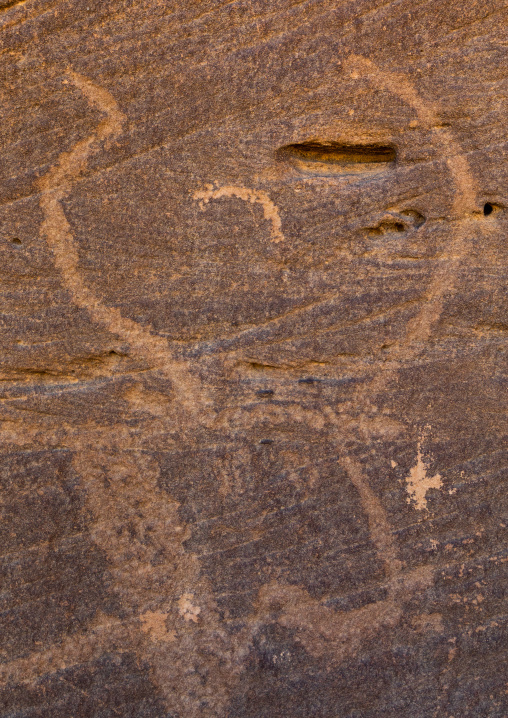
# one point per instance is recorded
(253, 359)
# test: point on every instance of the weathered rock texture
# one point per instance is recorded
(253, 383)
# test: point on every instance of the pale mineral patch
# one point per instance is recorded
(418, 482)
(154, 623)
(186, 608)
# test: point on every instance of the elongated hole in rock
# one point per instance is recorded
(338, 153)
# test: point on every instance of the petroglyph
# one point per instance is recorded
(55, 186)
(380, 529)
(442, 282)
(270, 210)
(104, 634)
(136, 523)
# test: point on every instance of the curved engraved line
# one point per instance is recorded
(72, 650)
(380, 529)
(55, 186)
(338, 634)
(443, 281)
(353, 624)
(270, 210)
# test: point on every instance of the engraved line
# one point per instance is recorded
(444, 278)
(270, 210)
(380, 529)
(55, 186)
(443, 281)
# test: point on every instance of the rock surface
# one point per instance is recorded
(253, 382)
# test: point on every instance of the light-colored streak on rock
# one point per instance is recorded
(156, 581)
(444, 278)
(270, 210)
(337, 635)
(55, 186)
(380, 529)
(105, 634)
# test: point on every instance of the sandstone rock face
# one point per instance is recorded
(253, 380)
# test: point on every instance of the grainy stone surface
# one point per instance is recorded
(253, 382)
